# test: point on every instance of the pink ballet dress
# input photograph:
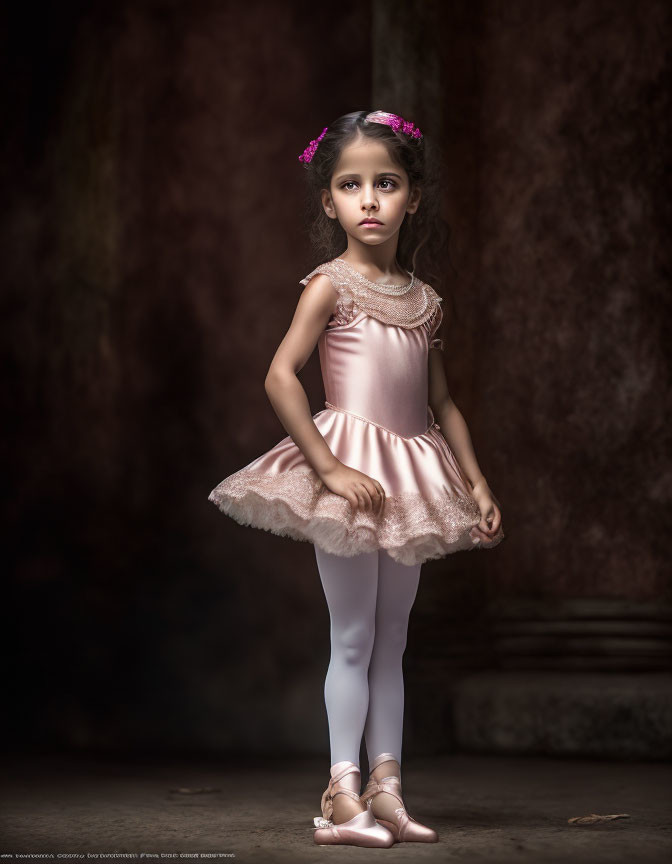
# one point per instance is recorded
(374, 357)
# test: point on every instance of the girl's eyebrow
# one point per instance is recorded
(380, 174)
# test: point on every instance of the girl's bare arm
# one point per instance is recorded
(450, 419)
(456, 433)
(285, 392)
(288, 398)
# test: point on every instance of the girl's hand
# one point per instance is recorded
(491, 515)
(362, 491)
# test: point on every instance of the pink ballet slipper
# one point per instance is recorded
(405, 828)
(361, 830)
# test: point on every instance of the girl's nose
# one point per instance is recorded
(368, 199)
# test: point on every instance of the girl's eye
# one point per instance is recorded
(352, 183)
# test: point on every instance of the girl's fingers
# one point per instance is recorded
(496, 519)
(479, 536)
(367, 498)
(378, 497)
(368, 501)
(476, 535)
(382, 498)
(491, 521)
(373, 494)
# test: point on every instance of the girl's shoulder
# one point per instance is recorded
(334, 269)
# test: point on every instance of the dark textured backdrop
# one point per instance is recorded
(151, 250)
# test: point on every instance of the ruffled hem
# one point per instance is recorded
(297, 504)
(428, 513)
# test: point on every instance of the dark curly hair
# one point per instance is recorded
(423, 236)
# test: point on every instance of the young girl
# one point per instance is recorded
(370, 480)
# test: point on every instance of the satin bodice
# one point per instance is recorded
(379, 372)
(374, 349)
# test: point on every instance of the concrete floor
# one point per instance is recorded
(494, 809)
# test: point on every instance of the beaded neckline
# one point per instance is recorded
(377, 286)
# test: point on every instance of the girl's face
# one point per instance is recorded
(366, 182)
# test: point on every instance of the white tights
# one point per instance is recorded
(370, 597)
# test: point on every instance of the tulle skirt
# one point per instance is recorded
(428, 512)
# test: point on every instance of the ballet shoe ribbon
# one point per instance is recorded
(391, 785)
(326, 803)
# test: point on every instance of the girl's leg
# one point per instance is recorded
(350, 587)
(397, 589)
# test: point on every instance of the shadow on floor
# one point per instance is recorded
(494, 809)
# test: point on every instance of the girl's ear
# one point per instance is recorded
(328, 204)
(414, 199)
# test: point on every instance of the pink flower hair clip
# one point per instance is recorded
(309, 152)
(395, 121)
